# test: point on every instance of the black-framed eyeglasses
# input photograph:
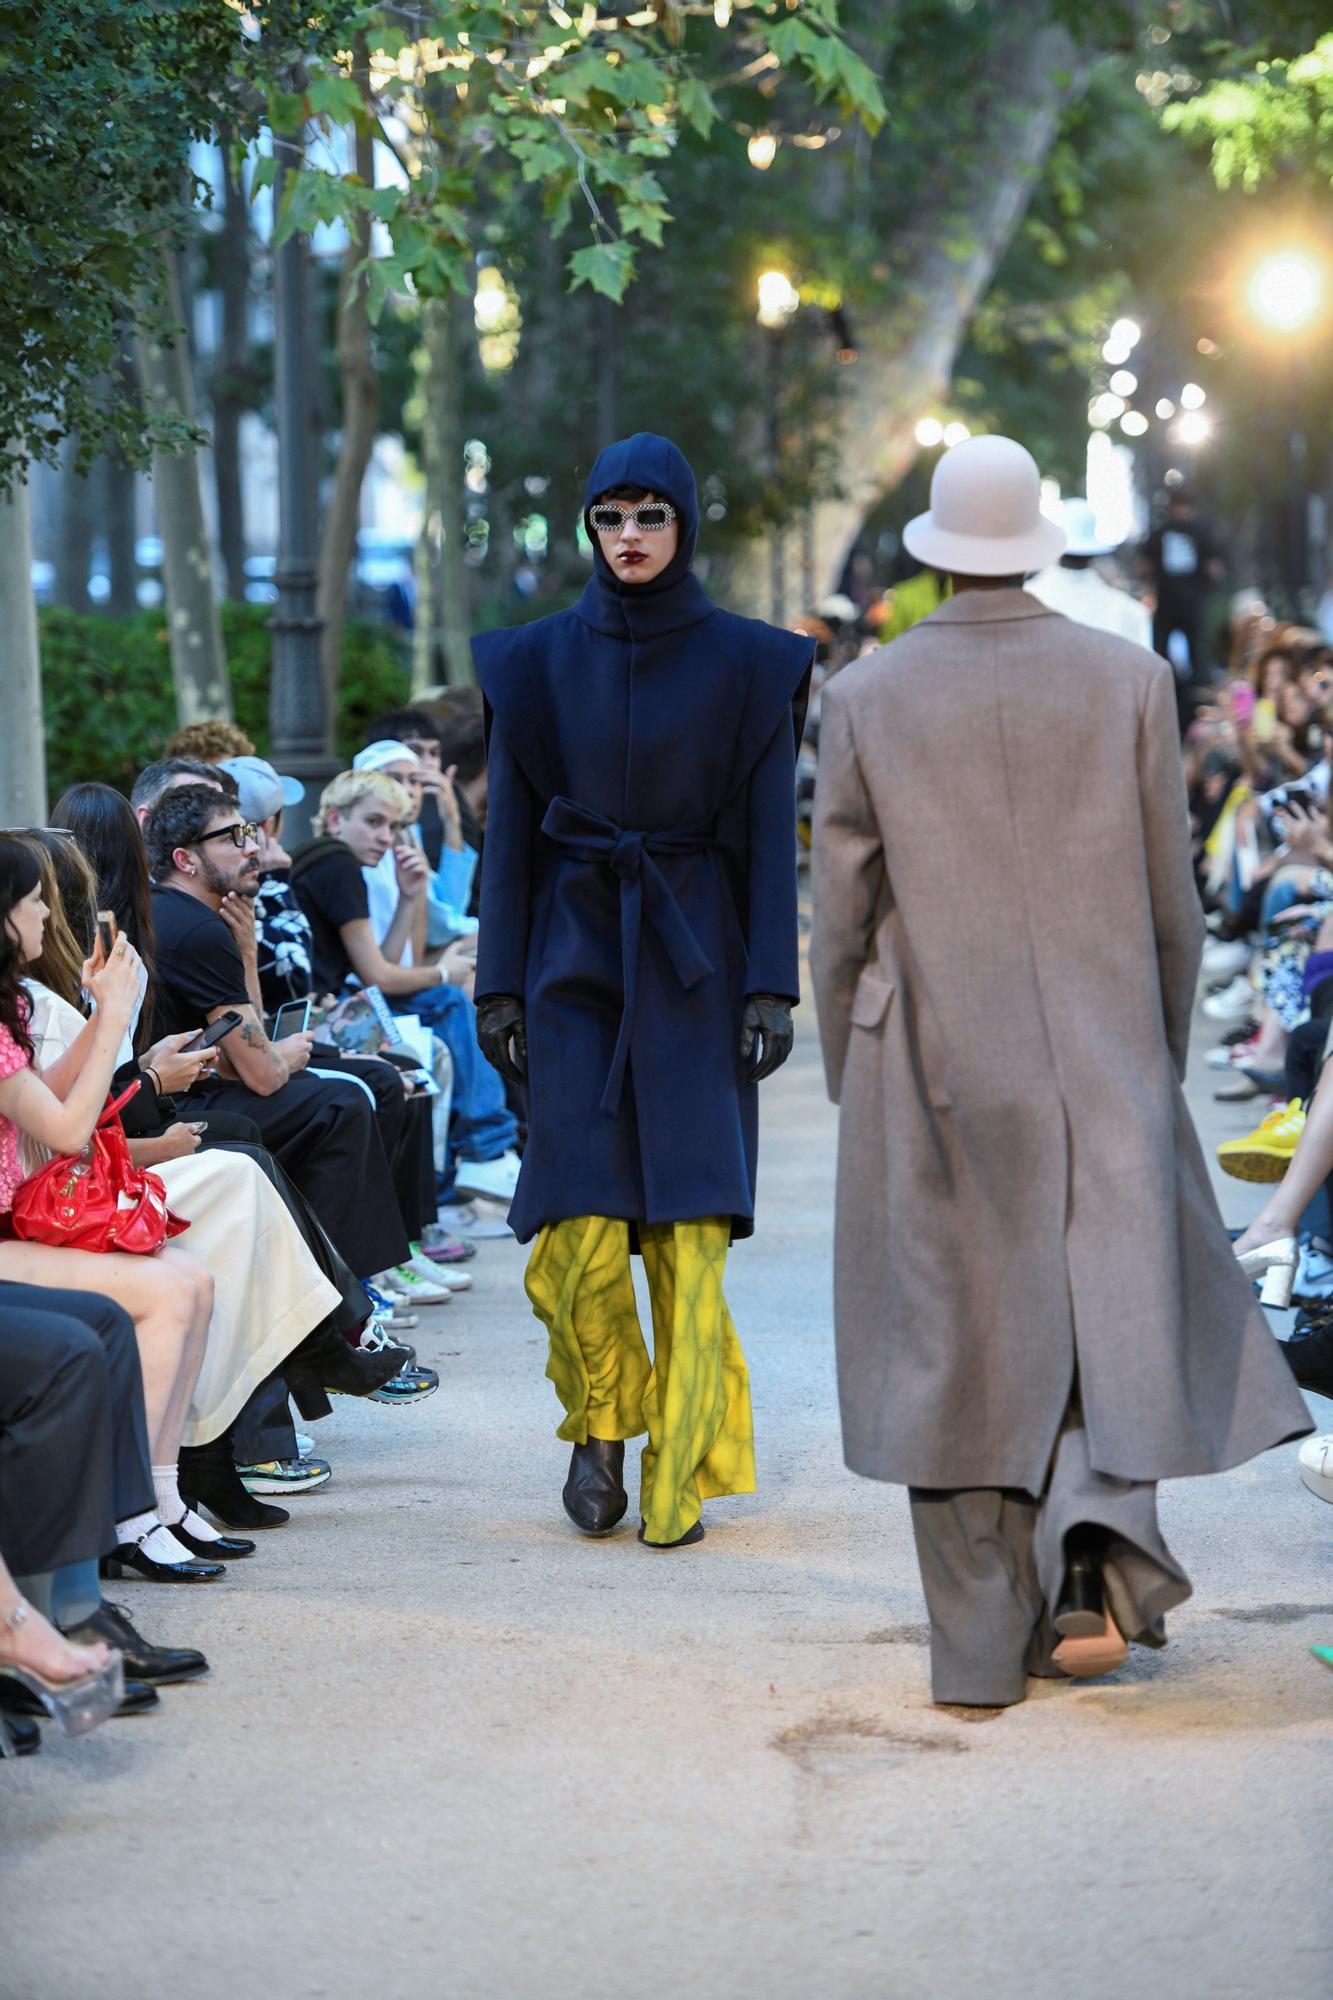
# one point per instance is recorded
(650, 516)
(237, 833)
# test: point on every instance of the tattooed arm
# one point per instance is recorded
(248, 1056)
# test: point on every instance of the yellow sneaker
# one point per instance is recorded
(1265, 1154)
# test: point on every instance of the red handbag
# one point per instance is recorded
(97, 1199)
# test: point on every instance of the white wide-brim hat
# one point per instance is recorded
(985, 515)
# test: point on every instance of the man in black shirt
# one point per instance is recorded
(322, 1130)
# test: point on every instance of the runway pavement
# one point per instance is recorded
(448, 1748)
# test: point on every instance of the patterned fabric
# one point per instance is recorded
(12, 1060)
(284, 943)
(1282, 967)
(693, 1399)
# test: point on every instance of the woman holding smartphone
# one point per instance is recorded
(169, 1295)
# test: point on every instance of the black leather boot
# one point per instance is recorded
(325, 1361)
(594, 1496)
(207, 1477)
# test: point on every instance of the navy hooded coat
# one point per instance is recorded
(639, 877)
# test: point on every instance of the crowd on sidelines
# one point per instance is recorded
(291, 1041)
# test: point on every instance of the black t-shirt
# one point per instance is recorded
(1180, 552)
(198, 963)
(332, 891)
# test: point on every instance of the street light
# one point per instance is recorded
(778, 300)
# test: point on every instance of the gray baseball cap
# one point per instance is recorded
(262, 790)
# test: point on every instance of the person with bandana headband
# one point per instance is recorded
(636, 974)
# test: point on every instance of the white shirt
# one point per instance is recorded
(1089, 600)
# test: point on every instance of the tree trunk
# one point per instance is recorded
(22, 747)
(117, 498)
(442, 624)
(229, 400)
(1032, 73)
(74, 540)
(360, 424)
(198, 663)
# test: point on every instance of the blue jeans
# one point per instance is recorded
(481, 1125)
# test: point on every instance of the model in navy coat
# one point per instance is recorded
(639, 880)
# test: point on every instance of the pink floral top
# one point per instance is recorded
(12, 1059)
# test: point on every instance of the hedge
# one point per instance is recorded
(109, 702)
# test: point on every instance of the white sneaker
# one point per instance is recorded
(495, 1179)
(1232, 1055)
(1235, 1002)
(305, 1444)
(419, 1291)
(1316, 1463)
(1224, 961)
(464, 1218)
(437, 1274)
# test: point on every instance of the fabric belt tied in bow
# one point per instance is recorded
(644, 890)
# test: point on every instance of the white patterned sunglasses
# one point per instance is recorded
(649, 517)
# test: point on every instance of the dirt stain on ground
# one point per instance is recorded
(832, 1746)
(1275, 1614)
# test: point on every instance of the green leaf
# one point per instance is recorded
(607, 267)
(644, 219)
(696, 106)
(330, 95)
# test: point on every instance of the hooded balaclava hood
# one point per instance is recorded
(655, 464)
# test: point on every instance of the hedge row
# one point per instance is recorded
(109, 702)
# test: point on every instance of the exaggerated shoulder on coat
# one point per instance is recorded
(515, 643)
(891, 671)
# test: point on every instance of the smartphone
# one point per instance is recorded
(292, 1018)
(107, 930)
(210, 1036)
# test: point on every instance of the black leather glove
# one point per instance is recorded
(501, 1035)
(770, 1018)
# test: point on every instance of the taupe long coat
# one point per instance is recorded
(1006, 942)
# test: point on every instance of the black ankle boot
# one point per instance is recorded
(594, 1496)
(207, 1477)
(1081, 1611)
(325, 1361)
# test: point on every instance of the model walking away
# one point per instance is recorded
(636, 975)
(1038, 1312)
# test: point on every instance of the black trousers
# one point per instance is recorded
(405, 1129)
(1188, 620)
(73, 1440)
(325, 1134)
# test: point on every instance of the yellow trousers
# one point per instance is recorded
(693, 1398)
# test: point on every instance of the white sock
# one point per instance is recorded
(163, 1547)
(136, 1525)
(170, 1506)
(203, 1531)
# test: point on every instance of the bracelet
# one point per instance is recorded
(18, 1616)
(157, 1081)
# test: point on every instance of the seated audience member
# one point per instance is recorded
(274, 1311)
(463, 751)
(439, 922)
(360, 819)
(322, 1130)
(168, 1295)
(438, 826)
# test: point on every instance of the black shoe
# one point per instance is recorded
(135, 1559)
(1311, 1360)
(685, 1541)
(15, 1699)
(594, 1496)
(325, 1361)
(222, 1548)
(19, 1736)
(206, 1476)
(1081, 1611)
(143, 1660)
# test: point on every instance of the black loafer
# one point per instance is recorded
(1311, 1360)
(18, 1700)
(594, 1495)
(161, 1665)
(19, 1736)
(685, 1541)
